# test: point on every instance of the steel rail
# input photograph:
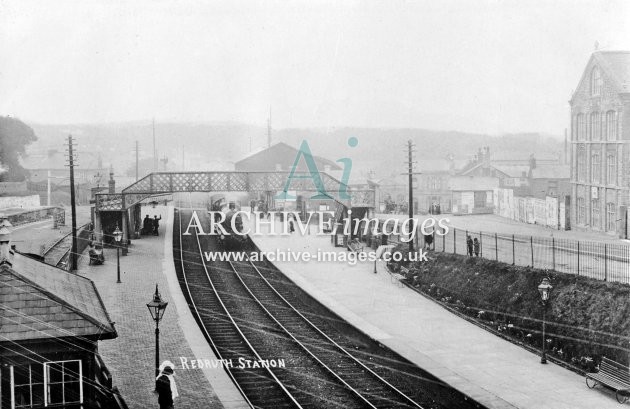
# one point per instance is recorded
(203, 327)
(333, 342)
(282, 386)
(332, 372)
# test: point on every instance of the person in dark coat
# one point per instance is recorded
(469, 245)
(165, 387)
(291, 223)
(147, 225)
(476, 245)
(156, 225)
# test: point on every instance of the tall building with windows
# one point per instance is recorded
(600, 144)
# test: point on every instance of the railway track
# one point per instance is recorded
(319, 372)
(250, 311)
(57, 254)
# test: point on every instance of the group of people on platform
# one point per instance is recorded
(151, 226)
(435, 208)
(472, 246)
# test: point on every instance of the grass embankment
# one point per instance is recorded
(586, 318)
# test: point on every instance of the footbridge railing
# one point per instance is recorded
(159, 183)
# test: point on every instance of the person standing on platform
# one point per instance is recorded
(428, 240)
(291, 223)
(156, 225)
(469, 245)
(147, 225)
(165, 386)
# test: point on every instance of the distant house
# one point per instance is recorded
(550, 180)
(472, 194)
(600, 144)
(42, 166)
(280, 157)
(50, 324)
(513, 169)
(432, 187)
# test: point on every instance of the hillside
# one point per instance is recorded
(218, 145)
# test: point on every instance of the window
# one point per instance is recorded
(581, 210)
(435, 183)
(28, 385)
(611, 125)
(611, 173)
(63, 381)
(581, 127)
(581, 164)
(595, 213)
(596, 82)
(596, 166)
(611, 217)
(595, 126)
(588, 134)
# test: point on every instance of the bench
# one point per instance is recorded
(612, 375)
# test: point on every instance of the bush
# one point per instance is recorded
(585, 317)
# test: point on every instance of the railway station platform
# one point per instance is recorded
(131, 356)
(492, 371)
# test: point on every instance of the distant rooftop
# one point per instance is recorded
(551, 172)
(470, 183)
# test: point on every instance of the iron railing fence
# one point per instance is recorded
(598, 260)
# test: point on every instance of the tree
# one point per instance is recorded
(14, 136)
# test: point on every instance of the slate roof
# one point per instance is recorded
(513, 171)
(472, 183)
(551, 172)
(41, 301)
(284, 151)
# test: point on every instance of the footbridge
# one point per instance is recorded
(323, 187)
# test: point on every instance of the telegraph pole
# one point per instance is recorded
(410, 173)
(410, 147)
(71, 164)
(137, 160)
(155, 161)
(269, 129)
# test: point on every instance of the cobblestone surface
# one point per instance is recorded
(131, 356)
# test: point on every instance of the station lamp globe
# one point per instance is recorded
(156, 307)
(545, 289)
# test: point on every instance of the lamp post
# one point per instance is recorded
(545, 290)
(117, 237)
(156, 307)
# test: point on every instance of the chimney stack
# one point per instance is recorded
(6, 254)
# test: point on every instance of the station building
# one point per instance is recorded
(600, 150)
(50, 324)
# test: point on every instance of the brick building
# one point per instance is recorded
(600, 150)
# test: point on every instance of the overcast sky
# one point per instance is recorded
(478, 66)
